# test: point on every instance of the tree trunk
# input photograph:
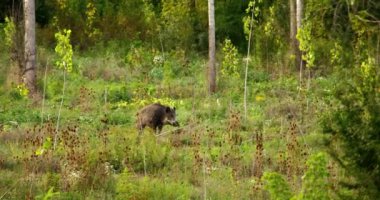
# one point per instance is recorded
(246, 67)
(211, 42)
(300, 62)
(30, 47)
(299, 13)
(293, 32)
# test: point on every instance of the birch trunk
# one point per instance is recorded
(299, 12)
(211, 42)
(293, 32)
(29, 76)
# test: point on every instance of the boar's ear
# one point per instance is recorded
(174, 109)
(167, 110)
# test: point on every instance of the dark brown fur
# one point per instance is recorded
(155, 116)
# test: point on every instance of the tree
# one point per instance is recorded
(175, 27)
(293, 31)
(251, 9)
(64, 51)
(353, 120)
(354, 126)
(30, 47)
(299, 14)
(211, 50)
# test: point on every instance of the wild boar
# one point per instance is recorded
(156, 116)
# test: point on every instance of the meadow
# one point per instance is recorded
(275, 99)
(217, 153)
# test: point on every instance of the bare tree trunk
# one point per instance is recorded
(211, 44)
(30, 47)
(246, 68)
(299, 13)
(293, 32)
(300, 62)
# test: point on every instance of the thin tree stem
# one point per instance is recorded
(162, 45)
(377, 50)
(144, 159)
(60, 107)
(246, 68)
(301, 72)
(43, 94)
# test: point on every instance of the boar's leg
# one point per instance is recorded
(141, 128)
(140, 132)
(159, 129)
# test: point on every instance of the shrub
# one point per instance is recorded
(119, 116)
(354, 123)
(315, 183)
(118, 93)
(276, 185)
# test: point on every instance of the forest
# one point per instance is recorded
(190, 99)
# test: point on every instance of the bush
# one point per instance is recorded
(119, 116)
(18, 113)
(315, 181)
(277, 186)
(118, 93)
(354, 123)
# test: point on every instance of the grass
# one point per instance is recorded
(216, 153)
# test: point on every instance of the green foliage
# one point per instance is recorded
(119, 116)
(156, 73)
(276, 185)
(313, 36)
(337, 55)
(45, 146)
(269, 32)
(22, 90)
(118, 94)
(313, 31)
(315, 184)
(10, 32)
(13, 110)
(355, 122)
(54, 88)
(253, 10)
(90, 19)
(129, 187)
(230, 63)
(259, 76)
(230, 71)
(270, 23)
(253, 7)
(136, 52)
(149, 155)
(124, 186)
(305, 40)
(176, 28)
(139, 58)
(50, 194)
(64, 51)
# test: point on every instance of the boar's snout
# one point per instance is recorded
(172, 122)
(176, 124)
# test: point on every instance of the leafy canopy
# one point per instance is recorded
(64, 50)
